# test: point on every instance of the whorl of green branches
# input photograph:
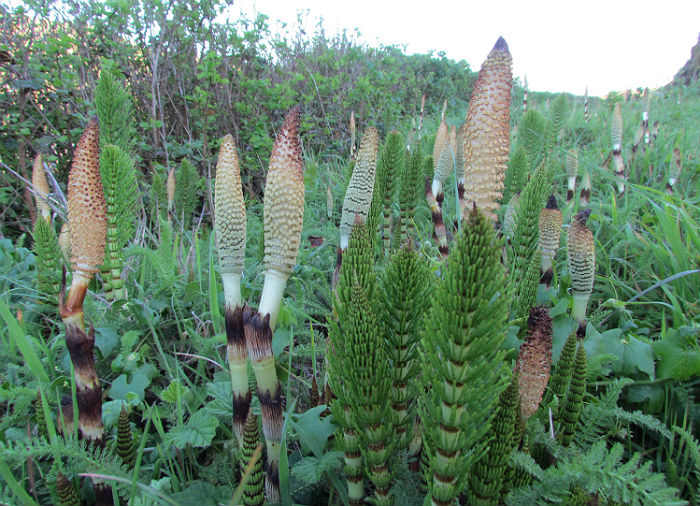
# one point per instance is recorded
(486, 479)
(405, 287)
(388, 172)
(461, 361)
(115, 110)
(533, 137)
(186, 199)
(410, 191)
(254, 491)
(125, 439)
(516, 175)
(560, 115)
(67, 495)
(48, 259)
(526, 288)
(120, 185)
(525, 241)
(571, 410)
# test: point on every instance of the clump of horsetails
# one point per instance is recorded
(283, 215)
(230, 228)
(487, 133)
(88, 225)
(461, 363)
(580, 249)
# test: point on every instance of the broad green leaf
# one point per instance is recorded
(313, 430)
(199, 432)
(679, 357)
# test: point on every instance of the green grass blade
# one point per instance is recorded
(22, 495)
(23, 343)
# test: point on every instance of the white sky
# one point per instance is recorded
(561, 45)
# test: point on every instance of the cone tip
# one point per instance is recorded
(501, 45)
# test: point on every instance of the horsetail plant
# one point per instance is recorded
(388, 171)
(121, 192)
(571, 409)
(48, 259)
(254, 491)
(524, 274)
(356, 269)
(65, 491)
(550, 229)
(571, 173)
(534, 361)
(532, 136)
(460, 357)
(487, 132)
(580, 249)
(487, 478)
(230, 229)
(358, 196)
(517, 173)
(87, 221)
(119, 179)
(586, 115)
(409, 191)
(435, 205)
(170, 185)
(560, 114)
(86, 216)
(41, 188)
(125, 440)
(585, 188)
(561, 377)
(440, 141)
(616, 136)
(405, 285)
(360, 375)
(283, 215)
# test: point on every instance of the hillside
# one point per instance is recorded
(690, 72)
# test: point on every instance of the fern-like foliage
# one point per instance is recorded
(600, 471)
(77, 457)
(602, 417)
(48, 259)
(115, 110)
(186, 193)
